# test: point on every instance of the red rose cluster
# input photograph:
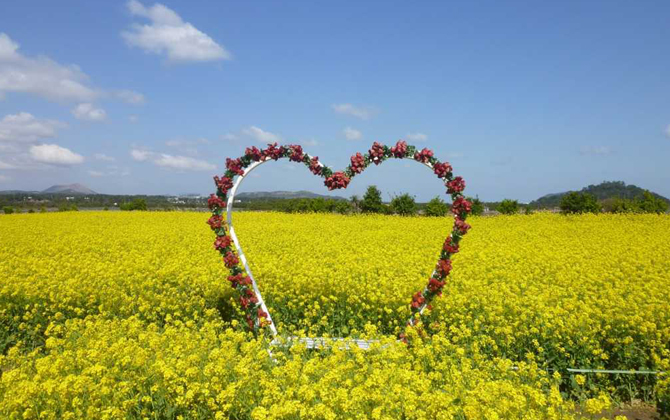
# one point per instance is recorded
(296, 153)
(224, 184)
(357, 163)
(336, 181)
(273, 152)
(456, 185)
(442, 170)
(253, 153)
(377, 153)
(424, 155)
(314, 165)
(234, 166)
(399, 150)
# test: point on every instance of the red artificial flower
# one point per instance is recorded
(336, 181)
(315, 166)
(461, 227)
(222, 242)
(239, 279)
(435, 286)
(461, 205)
(234, 166)
(357, 163)
(273, 152)
(248, 298)
(231, 259)
(376, 153)
(418, 300)
(456, 185)
(442, 169)
(400, 149)
(450, 246)
(424, 155)
(215, 222)
(254, 153)
(215, 202)
(443, 267)
(296, 153)
(224, 184)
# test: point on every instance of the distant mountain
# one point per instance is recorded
(72, 189)
(602, 191)
(280, 195)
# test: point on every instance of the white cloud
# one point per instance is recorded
(165, 160)
(416, 137)
(88, 112)
(24, 127)
(133, 118)
(260, 135)
(104, 157)
(130, 97)
(352, 134)
(49, 79)
(41, 76)
(183, 163)
(96, 173)
(140, 155)
(596, 150)
(54, 154)
(364, 113)
(310, 142)
(168, 34)
(4, 165)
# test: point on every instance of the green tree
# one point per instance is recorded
(343, 206)
(372, 200)
(139, 204)
(318, 205)
(508, 206)
(403, 205)
(8, 209)
(436, 208)
(477, 206)
(651, 204)
(577, 203)
(621, 205)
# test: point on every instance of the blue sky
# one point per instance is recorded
(523, 98)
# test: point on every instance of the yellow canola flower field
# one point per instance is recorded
(129, 315)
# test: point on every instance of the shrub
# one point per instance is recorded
(372, 201)
(342, 206)
(403, 205)
(8, 209)
(436, 208)
(508, 206)
(577, 203)
(139, 204)
(477, 206)
(651, 204)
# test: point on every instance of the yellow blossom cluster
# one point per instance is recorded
(129, 315)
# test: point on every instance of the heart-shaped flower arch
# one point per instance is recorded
(256, 312)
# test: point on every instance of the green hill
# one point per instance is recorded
(602, 191)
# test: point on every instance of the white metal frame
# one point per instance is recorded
(312, 343)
